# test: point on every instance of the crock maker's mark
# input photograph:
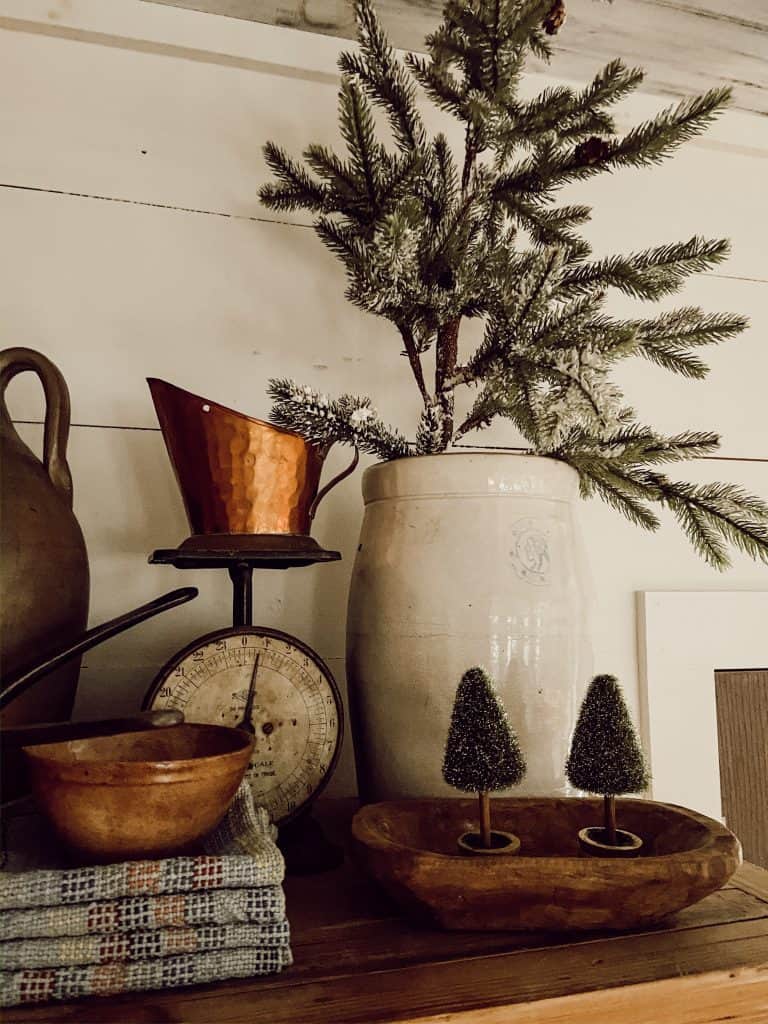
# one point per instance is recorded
(530, 552)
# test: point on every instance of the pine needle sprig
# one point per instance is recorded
(612, 83)
(655, 140)
(337, 173)
(640, 446)
(440, 86)
(384, 79)
(552, 227)
(324, 421)
(616, 486)
(344, 241)
(716, 514)
(296, 189)
(357, 129)
(650, 274)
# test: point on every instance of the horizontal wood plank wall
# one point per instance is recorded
(681, 43)
(133, 245)
(742, 725)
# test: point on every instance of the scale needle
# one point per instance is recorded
(246, 723)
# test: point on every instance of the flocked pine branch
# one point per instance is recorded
(323, 420)
(430, 237)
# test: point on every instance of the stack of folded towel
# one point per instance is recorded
(143, 925)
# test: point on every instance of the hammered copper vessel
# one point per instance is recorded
(238, 475)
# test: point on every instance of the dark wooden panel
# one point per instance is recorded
(742, 724)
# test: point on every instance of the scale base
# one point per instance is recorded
(305, 847)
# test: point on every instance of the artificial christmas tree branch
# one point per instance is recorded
(414, 359)
(429, 239)
(445, 364)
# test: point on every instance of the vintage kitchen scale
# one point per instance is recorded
(250, 490)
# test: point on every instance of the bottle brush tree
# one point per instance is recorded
(482, 753)
(432, 236)
(605, 755)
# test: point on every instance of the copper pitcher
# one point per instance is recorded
(237, 474)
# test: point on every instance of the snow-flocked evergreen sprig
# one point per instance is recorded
(430, 238)
(325, 421)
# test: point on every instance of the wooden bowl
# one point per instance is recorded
(139, 794)
(409, 846)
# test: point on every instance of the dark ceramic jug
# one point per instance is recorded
(44, 579)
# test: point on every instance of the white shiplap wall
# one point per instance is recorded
(133, 245)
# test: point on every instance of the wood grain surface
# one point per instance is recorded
(357, 961)
(742, 727)
(735, 996)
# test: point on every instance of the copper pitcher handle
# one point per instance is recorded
(56, 430)
(332, 483)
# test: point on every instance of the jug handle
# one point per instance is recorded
(56, 431)
(332, 483)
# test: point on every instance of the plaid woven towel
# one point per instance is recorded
(40, 985)
(180, 910)
(140, 925)
(251, 859)
(146, 944)
(244, 829)
(138, 878)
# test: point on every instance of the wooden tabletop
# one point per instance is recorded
(359, 961)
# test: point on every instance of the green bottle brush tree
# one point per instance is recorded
(606, 757)
(430, 239)
(482, 755)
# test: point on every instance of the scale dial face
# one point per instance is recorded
(295, 710)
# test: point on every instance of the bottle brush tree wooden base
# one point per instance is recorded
(500, 844)
(487, 841)
(595, 842)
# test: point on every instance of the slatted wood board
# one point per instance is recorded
(742, 727)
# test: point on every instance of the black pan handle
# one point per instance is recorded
(61, 732)
(15, 685)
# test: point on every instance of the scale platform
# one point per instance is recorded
(240, 554)
(259, 551)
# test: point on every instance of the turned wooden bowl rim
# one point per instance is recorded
(365, 829)
(47, 757)
(637, 842)
(509, 849)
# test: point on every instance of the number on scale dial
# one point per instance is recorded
(275, 687)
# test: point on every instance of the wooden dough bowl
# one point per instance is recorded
(409, 846)
(139, 794)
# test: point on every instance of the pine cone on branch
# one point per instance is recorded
(592, 150)
(555, 19)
